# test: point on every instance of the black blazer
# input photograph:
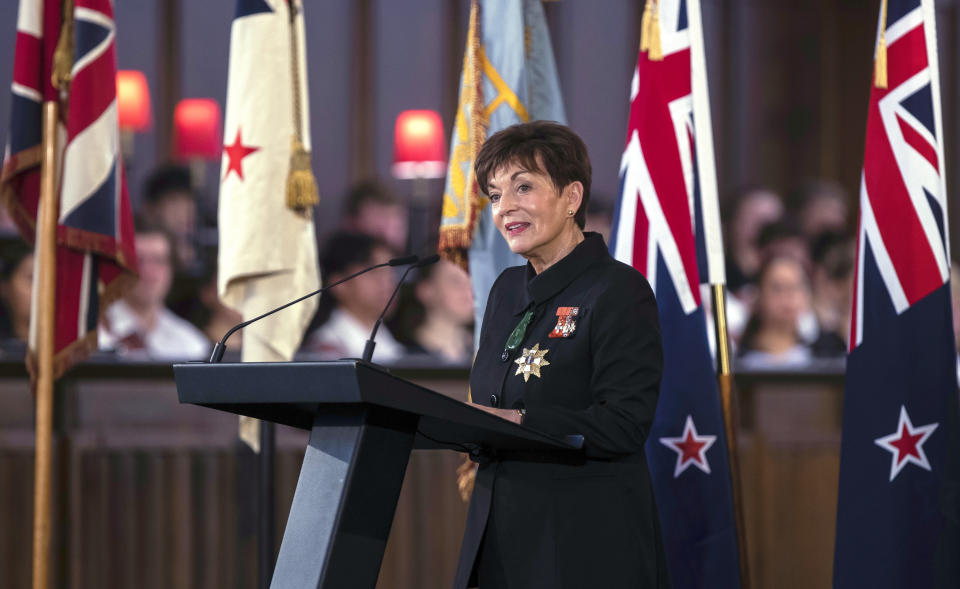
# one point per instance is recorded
(590, 521)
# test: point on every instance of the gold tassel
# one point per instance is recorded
(302, 193)
(645, 26)
(880, 64)
(656, 50)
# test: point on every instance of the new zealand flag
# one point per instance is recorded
(667, 226)
(897, 511)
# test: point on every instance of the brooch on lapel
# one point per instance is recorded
(531, 361)
(566, 322)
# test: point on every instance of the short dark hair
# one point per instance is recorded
(368, 191)
(562, 153)
(344, 249)
(165, 180)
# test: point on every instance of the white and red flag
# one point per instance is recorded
(268, 251)
(95, 257)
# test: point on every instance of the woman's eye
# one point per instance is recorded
(523, 188)
(494, 198)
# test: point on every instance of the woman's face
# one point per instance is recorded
(782, 295)
(448, 292)
(529, 211)
(367, 294)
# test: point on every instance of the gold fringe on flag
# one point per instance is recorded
(302, 192)
(471, 130)
(880, 63)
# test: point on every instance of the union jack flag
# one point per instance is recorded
(899, 477)
(95, 256)
(667, 226)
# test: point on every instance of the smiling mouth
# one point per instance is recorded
(516, 228)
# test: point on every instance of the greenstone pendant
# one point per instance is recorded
(518, 333)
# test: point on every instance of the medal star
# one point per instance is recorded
(235, 154)
(906, 444)
(691, 448)
(531, 361)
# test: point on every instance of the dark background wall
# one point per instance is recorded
(789, 81)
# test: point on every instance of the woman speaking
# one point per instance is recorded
(570, 344)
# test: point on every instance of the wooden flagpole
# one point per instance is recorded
(730, 420)
(45, 248)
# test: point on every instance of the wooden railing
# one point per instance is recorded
(151, 493)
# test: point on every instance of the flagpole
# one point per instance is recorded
(725, 380)
(46, 288)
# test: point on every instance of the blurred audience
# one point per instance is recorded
(752, 209)
(204, 308)
(771, 338)
(782, 238)
(347, 313)
(834, 254)
(16, 284)
(789, 277)
(373, 209)
(820, 206)
(139, 325)
(169, 202)
(435, 314)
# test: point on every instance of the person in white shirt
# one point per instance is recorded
(139, 325)
(348, 312)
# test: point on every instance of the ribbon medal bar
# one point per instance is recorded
(566, 322)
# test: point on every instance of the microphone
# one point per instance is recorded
(368, 347)
(221, 346)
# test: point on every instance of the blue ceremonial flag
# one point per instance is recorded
(667, 225)
(897, 513)
(509, 77)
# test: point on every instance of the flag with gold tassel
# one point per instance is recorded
(268, 252)
(509, 77)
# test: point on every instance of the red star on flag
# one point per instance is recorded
(906, 444)
(235, 154)
(691, 448)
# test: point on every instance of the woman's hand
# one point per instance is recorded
(466, 476)
(508, 414)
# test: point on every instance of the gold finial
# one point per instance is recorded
(656, 49)
(880, 63)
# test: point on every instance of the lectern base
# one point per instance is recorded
(345, 499)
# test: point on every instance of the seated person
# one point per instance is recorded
(771, 338)
(371, 208)
(834, 255)
(347, 313)
(139, 325)
(435, 313)
(820, 206)
(170, 203)
(752, 208)
(16, 285)
(203, 308)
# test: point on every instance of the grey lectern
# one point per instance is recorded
(363, 424)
